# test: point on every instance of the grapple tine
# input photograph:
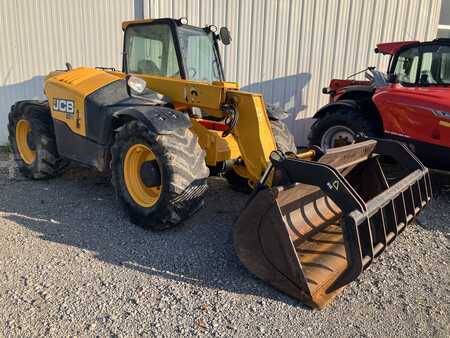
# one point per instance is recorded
(312, 237)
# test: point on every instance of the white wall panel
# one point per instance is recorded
(39, 36)
(290, 49)
(286, 49)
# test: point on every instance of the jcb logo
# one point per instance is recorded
(64, 106)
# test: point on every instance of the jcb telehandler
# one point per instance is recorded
(314, 221)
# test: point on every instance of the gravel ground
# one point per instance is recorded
(71, 264)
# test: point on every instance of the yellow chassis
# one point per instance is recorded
(251, 140)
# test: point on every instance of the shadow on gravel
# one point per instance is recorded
(80, 210)
(441, 183)
(436, 215)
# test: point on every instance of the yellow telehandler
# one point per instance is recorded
(313, 222)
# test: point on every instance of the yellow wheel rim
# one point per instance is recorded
(23, 130)
(143, 195)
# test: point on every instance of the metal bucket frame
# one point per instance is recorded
(370, 223)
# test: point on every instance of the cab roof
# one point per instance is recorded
(391, 48)
(125, 24)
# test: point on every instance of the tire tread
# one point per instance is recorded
(184, 175)
(48, 163)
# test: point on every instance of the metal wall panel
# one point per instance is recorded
(286, 49)
(290, 49)
(39, 36)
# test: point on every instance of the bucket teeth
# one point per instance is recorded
(311, 238)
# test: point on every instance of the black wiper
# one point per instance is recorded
(361, 71)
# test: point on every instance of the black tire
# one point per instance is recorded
(236, 182)
(47, 162)
(348, 118)
(283, 137)
(181, 165)
(285, 143)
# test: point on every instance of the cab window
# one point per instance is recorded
(151, 51)
(435, 67)
(199, 55)
(406, 66)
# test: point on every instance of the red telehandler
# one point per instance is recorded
(411, 103)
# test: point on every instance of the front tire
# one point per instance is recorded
(160, 179)
(339, 127)
(32, 140)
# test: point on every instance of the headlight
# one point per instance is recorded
(137, 84)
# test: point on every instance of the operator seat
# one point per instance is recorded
(148, 67)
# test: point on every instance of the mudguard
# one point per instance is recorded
(109, 103)
(338, 104)
(159, 120)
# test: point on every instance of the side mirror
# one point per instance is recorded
(225, 35)
(392, 78)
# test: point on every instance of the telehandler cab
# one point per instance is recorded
(409, 103)
(314, 221)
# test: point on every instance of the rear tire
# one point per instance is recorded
(339, 127)
(32, 140)
(180, 163)
(285, 142)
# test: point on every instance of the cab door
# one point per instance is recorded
(434, 83)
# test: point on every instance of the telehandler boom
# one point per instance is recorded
(314, 221)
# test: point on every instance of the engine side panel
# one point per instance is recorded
(67, 92)
(98, 116)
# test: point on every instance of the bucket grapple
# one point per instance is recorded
(330, 218)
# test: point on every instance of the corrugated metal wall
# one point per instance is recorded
(290, 49)
(286, 49)
(38, 36)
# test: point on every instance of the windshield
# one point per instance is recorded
(435, 67)
(199, 54)
(427, 65)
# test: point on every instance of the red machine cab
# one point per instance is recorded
(410, 103)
